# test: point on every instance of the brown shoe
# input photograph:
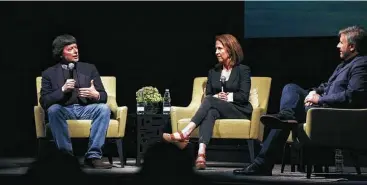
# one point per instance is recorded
(180, 142)
(200, 162)
(97, 163)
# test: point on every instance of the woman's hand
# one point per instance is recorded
(223, 96)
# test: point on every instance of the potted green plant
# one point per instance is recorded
(151, 97)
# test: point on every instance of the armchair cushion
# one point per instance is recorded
(223, 128)
(81, 128)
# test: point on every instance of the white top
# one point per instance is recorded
(226, 73)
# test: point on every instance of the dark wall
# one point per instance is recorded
(304, 61)
(163, 44)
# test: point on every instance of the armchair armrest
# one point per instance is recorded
(118, 113)
(39, 117)
(121, 118)
(112, 104)
(343, 128)
(257, 128)
(178, 113)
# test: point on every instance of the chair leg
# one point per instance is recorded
(308, 160)
(283, 158)
(40, 147)
(309, 170)
(110, 159)
(354, 157)
(301, 166)
(250, 143)
(294, 153)
(120, 152)
(326, 169)
(293, 167)
(358, 169)
(109, 153)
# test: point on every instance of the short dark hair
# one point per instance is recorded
(356, 35)
(59, 43)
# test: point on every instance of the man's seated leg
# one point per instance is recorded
(57, 116)
(100, 114)
(264, 162)
(291, 108)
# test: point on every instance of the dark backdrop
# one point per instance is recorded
(163, 44)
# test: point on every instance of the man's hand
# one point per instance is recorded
(313, 99)
(223, 96)
(307, 97)
(68, 86)
(310, 94)
(89, 92)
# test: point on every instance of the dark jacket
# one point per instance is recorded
(239, 83)
(347, 86)
(53, 80)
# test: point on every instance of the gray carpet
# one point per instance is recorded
(223, 172)
(218, 172)
(278, 177)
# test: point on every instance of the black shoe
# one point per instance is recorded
(254, 169)
(278, 121)
(97, 163)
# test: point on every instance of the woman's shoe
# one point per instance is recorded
(200, 163)
(180, 143)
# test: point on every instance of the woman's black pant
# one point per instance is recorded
(210, 110)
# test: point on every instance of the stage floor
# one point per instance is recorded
(217, 172)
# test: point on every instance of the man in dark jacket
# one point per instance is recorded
(74, 90)
(346, 88)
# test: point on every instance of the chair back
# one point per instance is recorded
(109, 83)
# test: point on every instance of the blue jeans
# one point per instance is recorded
(291, 104)
(99, 113)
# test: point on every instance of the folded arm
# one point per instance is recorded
(356, 90)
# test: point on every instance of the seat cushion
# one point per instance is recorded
(81, 128)
(223, 128)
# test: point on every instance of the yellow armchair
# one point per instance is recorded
(228, 128)
(81, 128)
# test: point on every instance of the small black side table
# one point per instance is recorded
(149, 129)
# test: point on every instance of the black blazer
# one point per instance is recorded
(53, 80)
(239, 83)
